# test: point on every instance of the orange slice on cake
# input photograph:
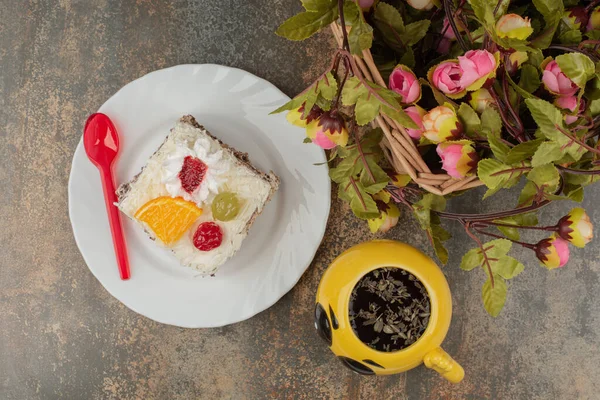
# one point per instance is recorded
(168, 217)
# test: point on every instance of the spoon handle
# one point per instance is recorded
(110, 197)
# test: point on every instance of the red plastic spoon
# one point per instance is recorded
(101, 142)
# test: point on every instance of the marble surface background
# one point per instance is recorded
(63, 336)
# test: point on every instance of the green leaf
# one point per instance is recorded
(415, 32)
(472, 259)
(525, 94)
(527, 195)
(366, 110)
(572, 36)
(495, 174)
(546, 116)
(316, 5)
(509, 232)
(484, 11)
(527, 219)
(306, 24)
(577, 67)
(551, 10)
(290, 105)
(499, 148)
(546, 176)
(507, 267)
(388, 21)
(469, 119)
(346, 168)
(353, 89)
(438, 236)
(592, 88)
(408, 58)
(423, 207)
(307, 140)
(328, 86)
(523, 151)
(491, 121)
(361, 203)
(360, 36)
(530, 78)
(379, 179)
(547, 153)
(497, 248)
(494, 297)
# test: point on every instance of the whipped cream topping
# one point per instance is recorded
(213, 178)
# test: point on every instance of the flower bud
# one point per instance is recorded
(294, 117)
(481, 99)
(515, 60)
(477, 67)
(441, 124)
(415, 113)
(594, 20)
(556, 82)
(576, 227)
(421, 4)
(404, 82)
(459, 159)
(575, 18)
(513, 26)
(388, 218)
(447, 30)
(553, 252)
(328, 131)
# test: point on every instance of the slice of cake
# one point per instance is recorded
(197, 196)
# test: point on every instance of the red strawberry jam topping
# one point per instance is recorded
(208, 236)
(192, 173)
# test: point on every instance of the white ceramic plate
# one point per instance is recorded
(234, 105)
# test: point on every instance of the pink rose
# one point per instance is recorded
(459, 159)
(415, 113)
(477, 66)
(448, 31)
(553, 252)
(556, 81)
(447, 77)
(404, 82)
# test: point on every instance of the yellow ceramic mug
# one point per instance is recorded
(333, 298)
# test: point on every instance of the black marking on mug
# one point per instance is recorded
(322, 323)
(373, 363)
(356, 366)
(334, 321)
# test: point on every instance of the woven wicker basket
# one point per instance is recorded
(398, 146)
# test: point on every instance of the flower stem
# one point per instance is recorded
(450, 15)
(578, 171)
(539, 228)
(524, 244)
(346, 46)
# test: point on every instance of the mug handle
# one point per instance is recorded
(438, 360)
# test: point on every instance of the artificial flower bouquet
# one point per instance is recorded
(466, 93)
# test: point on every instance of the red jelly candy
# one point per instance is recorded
(208, 236)
(192, 173)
